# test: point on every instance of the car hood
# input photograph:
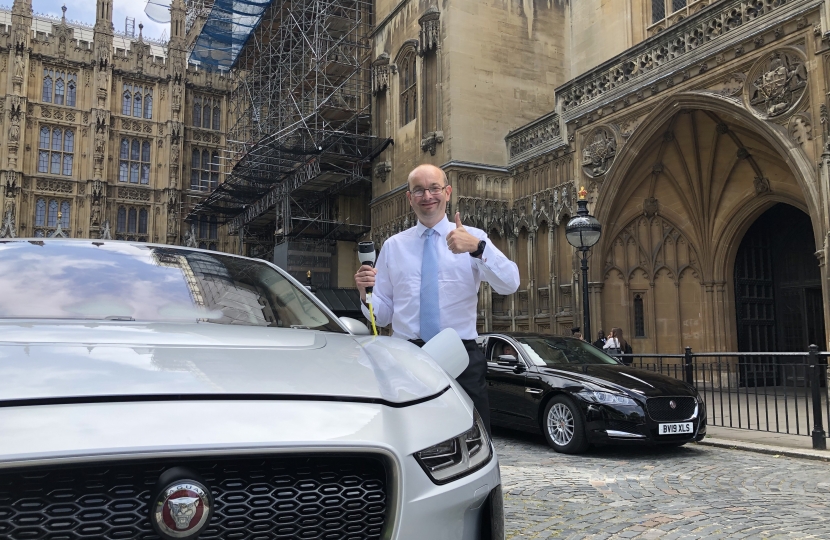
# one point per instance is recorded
(645, 383)
(78, 361)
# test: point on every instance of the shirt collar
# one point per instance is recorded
(442, 227)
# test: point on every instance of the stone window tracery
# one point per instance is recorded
(56, 151)
(131, 223)
(409, 91)
(59, 87)
(137, 101)
(208, 232)
(47, 214)
(207, 113)
(660, 9)
(204, 170)
(134, 161)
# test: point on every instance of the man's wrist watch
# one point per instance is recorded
(480, 250)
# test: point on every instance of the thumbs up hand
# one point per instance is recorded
(459, 240)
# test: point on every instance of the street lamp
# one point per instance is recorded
(582, 232)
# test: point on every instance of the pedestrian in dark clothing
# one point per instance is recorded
(600, 342)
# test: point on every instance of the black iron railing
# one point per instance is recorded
(774, 392)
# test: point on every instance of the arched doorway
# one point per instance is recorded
(778, 296)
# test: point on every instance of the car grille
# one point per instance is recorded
(264, 498)
(623, 425)
(659, 409)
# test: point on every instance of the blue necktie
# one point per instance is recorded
(430, 316)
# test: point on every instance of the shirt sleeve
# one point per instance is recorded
(500, 272)
(381, 293)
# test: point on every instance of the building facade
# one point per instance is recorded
(699, 129)
(107, 135)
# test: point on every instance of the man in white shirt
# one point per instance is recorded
(455, 259)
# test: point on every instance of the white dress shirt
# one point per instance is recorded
(396, 297)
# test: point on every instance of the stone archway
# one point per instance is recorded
(674, 208)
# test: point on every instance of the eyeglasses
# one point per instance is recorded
(418, 193)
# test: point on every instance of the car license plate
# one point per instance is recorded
(681, 428)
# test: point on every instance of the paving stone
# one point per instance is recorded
(683, 493)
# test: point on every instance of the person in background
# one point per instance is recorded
(509, 351)
(615, 345)
(427, 277)
(575, 331)
(600, 342)
(578, 335)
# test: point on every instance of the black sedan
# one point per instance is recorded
(576, 395)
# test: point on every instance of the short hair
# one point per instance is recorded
(428, 166)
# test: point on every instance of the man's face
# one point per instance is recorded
(429, 207)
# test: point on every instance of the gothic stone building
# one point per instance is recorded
(106, 135)
(700, 129)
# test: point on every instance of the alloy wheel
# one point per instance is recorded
(561, 424)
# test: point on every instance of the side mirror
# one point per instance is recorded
(508, 359)
(355, 327)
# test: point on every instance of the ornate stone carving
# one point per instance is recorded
(8, 228)
(430, 30)
(650, 207)
(730, 86)
(382, 170)
(431, 141)
(55, 186)
(671, 46)
(598, 152)
(133, 194)
(106, 232)
(800, 129)
(190, 236)
(761, 185)
(629, 126)
(778, 83)
(533, 136)
(380, 74)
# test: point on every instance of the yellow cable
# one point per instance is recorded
(371, 314)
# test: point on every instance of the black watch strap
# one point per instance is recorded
(478, 252)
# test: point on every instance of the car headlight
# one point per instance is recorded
(457, 457)
(606, 398)
(699, 397)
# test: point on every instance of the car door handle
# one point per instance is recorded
(533, 390)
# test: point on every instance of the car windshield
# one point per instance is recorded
(106, 280)
(556, 351)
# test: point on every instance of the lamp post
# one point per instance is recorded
(582, 232)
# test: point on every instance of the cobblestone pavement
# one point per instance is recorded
(690, 492)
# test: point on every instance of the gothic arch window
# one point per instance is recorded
(213, 233)
(409, 87)
(142, 221)
(56, 150)
(197, 112)
(126, 100)
(121, 222)
(59, 87)
(204, 170)
(66, 208)
(52, 216)
(137, 101)
(660, 9)
(134, 161)
(71, 90)
(137, 104)
(47, 214)
(60, 90)
(40, 213)
(131, 223)
(47, 86)
(207, 112)
(639, 316)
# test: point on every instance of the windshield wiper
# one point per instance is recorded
(118, 318)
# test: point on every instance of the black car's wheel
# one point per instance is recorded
(563, 426)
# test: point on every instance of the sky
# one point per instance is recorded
(84, 11)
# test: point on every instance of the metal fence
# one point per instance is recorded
(774, 392)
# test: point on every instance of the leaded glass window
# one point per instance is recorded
(56, 150)
(134, 161)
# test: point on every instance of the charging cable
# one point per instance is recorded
(366, 255)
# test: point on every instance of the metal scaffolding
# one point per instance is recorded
(301, 131)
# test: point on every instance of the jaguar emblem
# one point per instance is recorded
(672, 404)
(181, 509)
